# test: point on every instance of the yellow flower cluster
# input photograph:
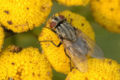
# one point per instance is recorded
(24, 64)
(74, 2)
(56, 55)
(106, 69)
(23, 15)
(1, 37)
(106, 12)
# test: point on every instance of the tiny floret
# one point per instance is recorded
(24, 64)
(98, 69)
(106, 13)
(74, 2)
(2, 35)
(23, 15)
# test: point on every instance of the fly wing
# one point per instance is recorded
(93, 49)
(80, 49)
(74, 52)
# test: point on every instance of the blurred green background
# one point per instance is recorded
(108, 41)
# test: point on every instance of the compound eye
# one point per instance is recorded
(53, 24)
(61, 16)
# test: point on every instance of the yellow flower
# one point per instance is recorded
(106, 12)
(23, 15)
(107, 69)
(73, 2)
(56, 55)
(24, 64)
(1, 37)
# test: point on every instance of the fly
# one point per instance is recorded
(77, 45)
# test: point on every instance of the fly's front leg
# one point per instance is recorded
(69, 59)
(56, 45)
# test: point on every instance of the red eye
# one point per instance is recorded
(61, 16)
(52, 24)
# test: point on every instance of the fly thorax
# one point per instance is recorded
(66, 31)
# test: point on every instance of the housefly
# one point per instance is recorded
(77, 45)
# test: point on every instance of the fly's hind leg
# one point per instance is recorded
(69, 59)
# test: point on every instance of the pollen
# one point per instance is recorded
(56, 55)
(23, 15)
(74, 2)
(1, 37)
(106, 13)
(26, 64)
(98, 69)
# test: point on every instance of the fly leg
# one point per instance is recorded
(69, 59)
(56, 45)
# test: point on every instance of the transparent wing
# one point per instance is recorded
(80, 49)
(93, 49)
(78, 59)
